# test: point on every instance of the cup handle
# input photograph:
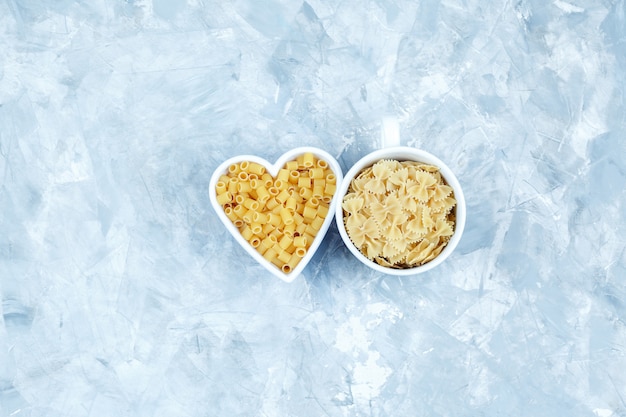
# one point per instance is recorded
(390, 132)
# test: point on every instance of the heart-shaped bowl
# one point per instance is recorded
(402, 153)
(273, 170)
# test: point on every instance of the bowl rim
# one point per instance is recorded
(273, 169)
(402, 153)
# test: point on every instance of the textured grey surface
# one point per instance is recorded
(122, 293)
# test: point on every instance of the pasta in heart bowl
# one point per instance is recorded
(279, 213)
(400, 211)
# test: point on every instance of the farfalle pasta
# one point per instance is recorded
(399, 214)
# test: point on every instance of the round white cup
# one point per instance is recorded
(402, 153)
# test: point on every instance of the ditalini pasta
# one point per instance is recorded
(279, 216)
(399, 214)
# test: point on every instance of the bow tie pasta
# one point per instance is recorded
(399, 214)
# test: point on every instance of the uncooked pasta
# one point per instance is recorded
(399, 214)
(281, 216)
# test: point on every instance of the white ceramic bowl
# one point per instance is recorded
(273, 169)
(403, 153)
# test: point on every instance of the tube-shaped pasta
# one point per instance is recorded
(252, 194)
(317, 223)
(277, 234)
(220, 187)
(291, 204)
(232, 185)
(313, 202)
(280, 216)
(295, 194)
(282, 196)
(310, 230)
(262, 194)
(224, 198)
(292, 262)
(299, 242)
(279, 264)
(234, 169)
(322, 210)
(255, 183)
(251, 204)
(286, 215)
(293, 176)
(240, 198)
(300, 161)
(318, 191)
(268, 228)
(261, 249)
(239, 211)
(330, 189)
(274, 219)
(277, 209)
(247, 216)
(243, 176)
(283, 175)
(256, 228)
(230, 214)
(284, 256)
(256, 168)
(270, 254)
(309, 236)
(316, 173)
(244, 187)
(309, 212)
(297, 218)
(260, 217)
(246, 232)
(308, 160)
(285, 242)
(281, 185)
(304, 182)
(300, 229)
(267, 242)
(306, 193)
(267, 180)
(319, 182)
(272, 203)
(290, 229)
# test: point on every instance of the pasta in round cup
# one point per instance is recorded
(400, 211)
